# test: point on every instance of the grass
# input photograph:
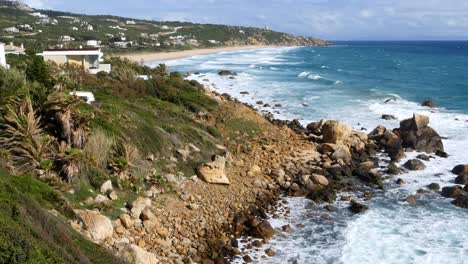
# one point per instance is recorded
(29, 234)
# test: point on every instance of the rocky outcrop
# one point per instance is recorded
(453, 191)
(460, 170)
(429, 103)
(461, 201)
(226, 73)
(139, 205)
(416, 134)
(214, 172)
(264, 230)
(97, 226)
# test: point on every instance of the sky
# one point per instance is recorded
(327, 19)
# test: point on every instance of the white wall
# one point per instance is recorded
(2, 55)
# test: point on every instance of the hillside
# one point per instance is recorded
(39, 29)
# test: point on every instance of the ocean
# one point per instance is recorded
(351, 82)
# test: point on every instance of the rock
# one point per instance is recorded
(146, 214)
(429, 103)
(247, 259)
(226, 73)
(264, 230)
(184, 154)
(136, 255)
(357, 208)
(335, 132)
(259, 102)
(461, 201)
(414, 164)
(139, 205)
(441, 154)
(126, 220)
(389, 117)
(315, 128)
(329, 208)
(101, 199)
(98, 226)
(286, 228)
(393, 169)
(254, 171)
(342, 153)
(106, 187)
(400, 181)
(214, 172)
(412, 200)
(434, 186)
(460, 170)
(319, 179)
(453, 191)
(151, 157)
(416, 134)
(370, 176)
(270, 252)
(462, 179)
(113, 195)
(327, 195)
(296, 126)
(244, 93)
(423, 157)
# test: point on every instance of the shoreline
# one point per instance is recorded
(163, 56)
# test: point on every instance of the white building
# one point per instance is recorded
(90, 27)
(25, 27)
(38, 14)
(131, 22)
(88, 59)
(2, 55)
(74, 28)
(11, 30)
(66, 38)
(212, 41)
(93, 43)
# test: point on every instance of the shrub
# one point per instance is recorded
(98, 148)
(10, 82)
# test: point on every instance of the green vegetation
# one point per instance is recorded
(30, 234)
(137, 34)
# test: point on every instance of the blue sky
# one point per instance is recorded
(328, 19)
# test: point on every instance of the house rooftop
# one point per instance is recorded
(77, 49)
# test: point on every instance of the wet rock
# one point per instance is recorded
(244, 93)
(389, 117)
(370, 176)
(416, 134)
(327, 195)
(264, 230)
(98, 226)
(423, 157)
(429, 103)
(270, 252)
(226, 73)
(433, 186)
(329, 208)
(441, 154)
(453, 191)
(259, 102)
(400, 181)
(461, 201)
(462, 179)
(357, 208)
(393, 169)
(286, 228)
(412, 200)
(335, 132)
(414, 164)
(214, 172)
(247, 259)
(460, 170)
(296, 126)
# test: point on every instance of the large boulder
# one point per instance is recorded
(453, 191)
(98, 226)
(342, 153)
(327, 195)
(226, 73)
(264, 230)
(429, 103)
(461, 201)
(214, 172)
(462, 179)
(335, 132)
(414, 164)
(460, 170)
(136, 255)
(416, 134)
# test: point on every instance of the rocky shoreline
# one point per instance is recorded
(231, 196)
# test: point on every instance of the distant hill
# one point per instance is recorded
(39, 29)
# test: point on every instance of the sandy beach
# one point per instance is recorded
(161, 56)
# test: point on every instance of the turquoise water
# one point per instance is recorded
(351, 82)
